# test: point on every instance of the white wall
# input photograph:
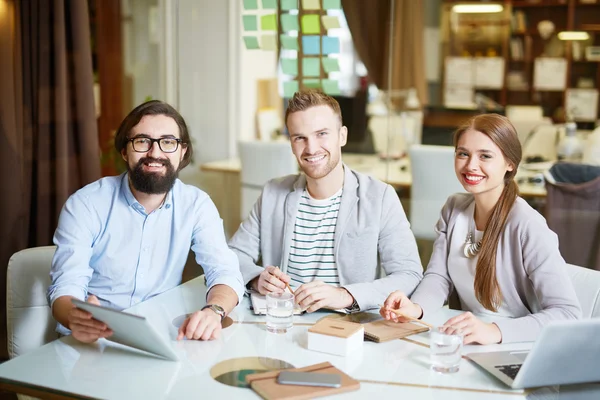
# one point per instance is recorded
(204, 61)
(217, 76)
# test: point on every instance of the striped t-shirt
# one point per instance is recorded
(311, 254)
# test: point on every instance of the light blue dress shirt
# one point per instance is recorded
(108, 246)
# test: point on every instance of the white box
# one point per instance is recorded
(337, 337)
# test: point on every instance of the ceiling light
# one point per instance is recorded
(573, 35)
(477, 8)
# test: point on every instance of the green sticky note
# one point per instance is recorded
(289, 88)
(250, 22)
(289, 22)
(332, 4)
(331, 64)
(269, 4)
(310, 66)
(250, 5)
(310, 24)
(268, 42)
(289, 42)
(331, 87)
(289, 4)
(311, 83)
(330, 22)
(268, 22)
(251, 42)
(311, 45)
(311, 4)
(331, 45)
(289, 66)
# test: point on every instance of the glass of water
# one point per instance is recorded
(446, 350)
(280, 312)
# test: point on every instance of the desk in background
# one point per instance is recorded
(395, 369)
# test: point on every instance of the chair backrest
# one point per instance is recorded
(542, 142)
(262, 161)
(587, 286)
(573, 212)
(433, 181)
(29, 319)
(391, 133)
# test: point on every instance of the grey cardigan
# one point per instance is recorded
(529, 268)
(371, 223)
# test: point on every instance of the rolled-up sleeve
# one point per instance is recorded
(220, 264)
(71, 272)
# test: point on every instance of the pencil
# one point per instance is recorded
(288, 286)
(400, 314)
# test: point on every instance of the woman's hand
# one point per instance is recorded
(400, 302)
(473, 329)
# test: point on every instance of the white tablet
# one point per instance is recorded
(130, 330)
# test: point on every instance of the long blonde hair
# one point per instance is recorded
(503, 134)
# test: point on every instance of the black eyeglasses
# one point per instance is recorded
(144, 144)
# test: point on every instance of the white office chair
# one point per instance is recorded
(29, 318)
(391, 133)
(542, 141)
(262, 161)
(433, 181)
(587, 286)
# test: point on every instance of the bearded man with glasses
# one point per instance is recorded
(124, 239)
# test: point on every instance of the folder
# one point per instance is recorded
(266, 386)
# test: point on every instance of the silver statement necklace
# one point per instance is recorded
(471, 249)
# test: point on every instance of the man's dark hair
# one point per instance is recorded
(154, 107)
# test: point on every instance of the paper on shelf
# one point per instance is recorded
(550, 73)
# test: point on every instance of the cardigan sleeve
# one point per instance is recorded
(436, 286)
(547, 272)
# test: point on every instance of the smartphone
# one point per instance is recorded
(309, 379)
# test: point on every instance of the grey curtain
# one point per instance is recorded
(379, 38)
(48, 132)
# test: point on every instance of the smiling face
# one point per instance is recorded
(479, 163)
(153, 171)
(317, 138)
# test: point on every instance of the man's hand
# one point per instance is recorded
(317, 294)
(399, 301)
(85, 328)
(271, 280)
(473, 329)
(201, 325)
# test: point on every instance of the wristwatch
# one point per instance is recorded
(216, 309)
(354, 307)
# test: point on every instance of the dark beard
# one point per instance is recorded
(151, 183)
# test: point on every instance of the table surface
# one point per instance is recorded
(394, 172)
(398, 368)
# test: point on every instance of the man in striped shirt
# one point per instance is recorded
(325, 232)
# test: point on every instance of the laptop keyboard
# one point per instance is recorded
(509, 370)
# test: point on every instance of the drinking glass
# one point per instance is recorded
(446, 350)
(280, 311)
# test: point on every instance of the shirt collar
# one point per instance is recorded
(132, 201)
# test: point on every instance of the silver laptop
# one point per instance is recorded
(566, 352)
(130, 330)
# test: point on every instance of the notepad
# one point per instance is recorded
(380, 330)
(383, 330)
(265, 384)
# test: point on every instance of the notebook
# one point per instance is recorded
(379, 330)
(265, 384)
(383, 330)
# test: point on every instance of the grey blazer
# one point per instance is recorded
(530, 271)
(371, 228)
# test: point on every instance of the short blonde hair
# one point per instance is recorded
(305, 99)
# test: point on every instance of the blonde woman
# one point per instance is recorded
(492, 248)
